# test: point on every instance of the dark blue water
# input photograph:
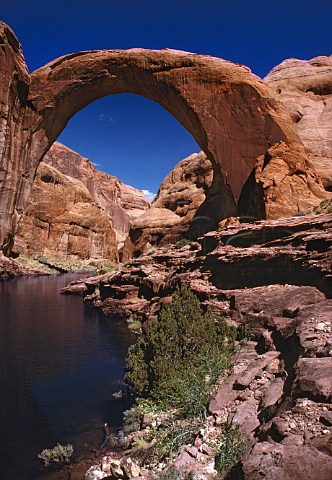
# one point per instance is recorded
(60, 362)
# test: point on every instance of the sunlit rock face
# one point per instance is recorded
(63, 220)
(191, 189)
(305, 89)
(122, 203)
(75, 211)
(234, 117)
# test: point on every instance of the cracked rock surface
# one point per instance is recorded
(279, 390)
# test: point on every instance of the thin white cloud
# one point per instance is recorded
(149, 195)
(103, 117)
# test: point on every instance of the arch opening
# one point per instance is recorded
(232, 115)
(130, 137)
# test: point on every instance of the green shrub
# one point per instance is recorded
(184, 351)
(176, 365)
(170, 438)
(57, 455)
(134, 324)
(231, 448)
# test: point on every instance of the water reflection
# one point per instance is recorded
(60, 363)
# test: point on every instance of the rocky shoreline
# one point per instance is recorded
(274, 279)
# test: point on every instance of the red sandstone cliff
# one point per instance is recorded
(236, 119)
(62, 220)
(121, 202)
(190, 190)
(75, 211)
(187, 193)
(305, 88)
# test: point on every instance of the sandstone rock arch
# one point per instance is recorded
(234, 117)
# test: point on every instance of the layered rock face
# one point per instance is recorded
(179, 199)
(122, 203)
(63, 220)
(272, 278)
(71, 203)
(235, 118)
(305, 88)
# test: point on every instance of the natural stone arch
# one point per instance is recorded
(232, 115)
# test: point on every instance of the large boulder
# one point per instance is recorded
(190, 190)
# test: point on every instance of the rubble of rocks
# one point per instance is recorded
(280, 388)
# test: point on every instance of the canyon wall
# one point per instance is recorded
(63, 220)
(122, 203)
(235, 118)
(75, 211)
(305, 89)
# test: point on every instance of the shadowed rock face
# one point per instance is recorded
(305, 89)
(233, 116)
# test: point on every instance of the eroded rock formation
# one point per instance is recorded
(63, 220)
(305, 88)
(234, 117)
(68, 185)
(122, 203)
(272, 278)
(179, 199)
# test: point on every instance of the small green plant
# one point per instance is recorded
(134, 324)
(324, 207)
(231, 447)
(169, 439)
(244, 334)
(184, 241)
(57, 455)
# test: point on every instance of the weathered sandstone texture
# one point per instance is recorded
(122, 203)
(190, 190)
(63, 220)
(273, 278)
(305, 89)
(235, 118)
(74, 210)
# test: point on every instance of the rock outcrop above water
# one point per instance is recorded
(273, 279)
(235, 118)
(305, 89)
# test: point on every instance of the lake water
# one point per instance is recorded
(60, 362)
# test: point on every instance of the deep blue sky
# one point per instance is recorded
(132, 137)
